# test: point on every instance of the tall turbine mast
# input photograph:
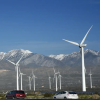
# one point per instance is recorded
(33, 77)
(55, 77)
(81, 46)
(90, 78)
(20, 75)
(16, 67)
(49, 81)
(59, 79)
(30, 79)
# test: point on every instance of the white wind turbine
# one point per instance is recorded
(33, 77)
(16, 67)
(81, 46)
(20, 75)
(55, 76)
(90, 79)
(59, 79)
(49, 81)
(30, 79)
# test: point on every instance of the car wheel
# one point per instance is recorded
(65, 98)
(6, 98)
(54, 97)
(13, 98)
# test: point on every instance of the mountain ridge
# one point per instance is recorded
(37, 60)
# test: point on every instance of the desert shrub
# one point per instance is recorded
(95, 96)
(47, 95)
(2, 96)
(31, 95)
(85, 96)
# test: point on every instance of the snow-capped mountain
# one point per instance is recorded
(58, 57)
(30, 59)
(69, 66)
(74, 59)
(14, 53)
(37, 60)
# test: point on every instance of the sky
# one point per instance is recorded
(40, 25)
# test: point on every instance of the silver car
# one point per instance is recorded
(66, 95)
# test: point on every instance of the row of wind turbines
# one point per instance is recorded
(32, 76)
(81, 46)
(20, 74)
(57, 76)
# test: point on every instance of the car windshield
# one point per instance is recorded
(71, 92)
(20, 92)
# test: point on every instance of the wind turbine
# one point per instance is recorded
(30, 79)
(16, 68)
(20, 75)
(49, 81)
(59, 79)
(81, 46)
(33, 77)
(90, 79)
(55, 76)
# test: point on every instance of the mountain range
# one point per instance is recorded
(69, 66)
(37, 60)
(74, 59)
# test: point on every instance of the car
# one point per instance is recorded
(66, 95)
(15, 94)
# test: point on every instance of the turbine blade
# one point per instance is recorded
(86, 35)
(75, 43)
(11, 62)
(19, 60)
(19, 70)
(23, 74)
(3, 56)
(58, 72)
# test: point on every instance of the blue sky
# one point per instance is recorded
(40, 25)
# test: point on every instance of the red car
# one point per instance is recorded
(15, 94)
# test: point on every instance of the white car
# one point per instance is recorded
(66, 95)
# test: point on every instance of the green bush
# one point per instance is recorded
(85, 96)
(47, 95)
(2, 96)
(95, 96)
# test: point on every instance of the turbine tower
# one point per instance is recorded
(49, 81)
(20, 75)
(16, 68)
(59, 79)
(30, 79)
(90, 79)
(33, 77)
(81, 46)
(55, 77)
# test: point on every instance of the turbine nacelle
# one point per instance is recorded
(82, 45)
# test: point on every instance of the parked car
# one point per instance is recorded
(66, 95)
(15, 94)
